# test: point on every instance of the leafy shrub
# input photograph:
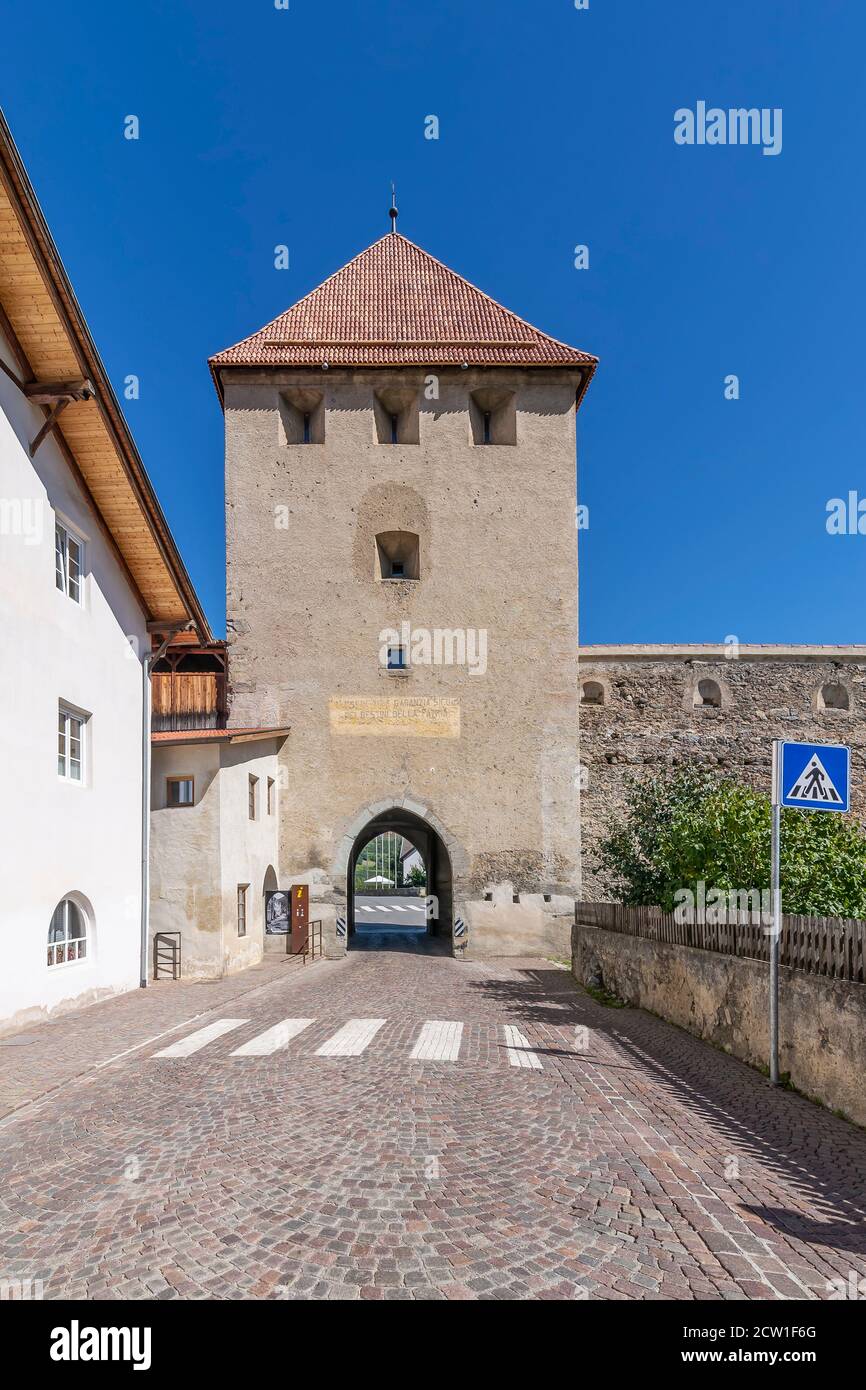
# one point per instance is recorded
(692, 826)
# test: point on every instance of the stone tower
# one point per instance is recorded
(402, 587)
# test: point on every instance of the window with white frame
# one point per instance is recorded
(67, 934)
(70, 745)
(68, 562)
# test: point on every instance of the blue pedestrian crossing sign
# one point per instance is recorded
(813, 776)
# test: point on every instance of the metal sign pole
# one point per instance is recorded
(774, 949)
(776, 931)
(806, 777)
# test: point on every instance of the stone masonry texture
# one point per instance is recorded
(635, 1163)
(306, 610)
(649, 723)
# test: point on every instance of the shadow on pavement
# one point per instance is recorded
(804, 1145)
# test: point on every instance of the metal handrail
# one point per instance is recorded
(171, 950)
(311, 941)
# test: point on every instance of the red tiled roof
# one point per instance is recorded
(395, 305)
(238, 735)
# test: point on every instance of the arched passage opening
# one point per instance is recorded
(381, 898)
(274, 908)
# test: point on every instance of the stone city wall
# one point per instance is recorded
(642, 711)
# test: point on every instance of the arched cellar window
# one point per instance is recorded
(834, 696)
(709, 694)
(67, 934)
(592, 693)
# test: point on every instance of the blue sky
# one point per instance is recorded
(262, 126)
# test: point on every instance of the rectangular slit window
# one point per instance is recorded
(272, 796)
(70, 745)
(68, 560)
(242, 908)
(254, 798)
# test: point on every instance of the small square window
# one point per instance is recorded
(181, 791)
(254, 798)
(397, 659)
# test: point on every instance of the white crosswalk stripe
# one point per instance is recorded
(201, 1037)
(518, 1050)
(352, 1038)
(273, 1039)
(438, 1042)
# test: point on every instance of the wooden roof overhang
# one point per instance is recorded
(58, 366)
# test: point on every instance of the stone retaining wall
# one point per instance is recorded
(724, 999)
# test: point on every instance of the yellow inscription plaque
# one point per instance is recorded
(407, 716)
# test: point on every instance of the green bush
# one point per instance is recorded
(691, 826)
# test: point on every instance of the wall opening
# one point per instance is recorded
(301, 417)
(833, 696)
(709, 694)
(592, 693)
(387, 902)
(397, 555)
(397, 416)
(493, 416)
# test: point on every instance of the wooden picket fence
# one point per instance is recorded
(830, 946)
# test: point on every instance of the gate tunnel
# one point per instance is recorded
(437, 863)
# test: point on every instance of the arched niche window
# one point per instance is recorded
(397, 555)
(833, 696)
(396, 415)
(67, 934)
(709, 694)
(301, 417)
(493, 416)
(592, 693)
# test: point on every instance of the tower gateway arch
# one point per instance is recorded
(402, 590)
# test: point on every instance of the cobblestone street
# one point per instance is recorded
(355, 1152)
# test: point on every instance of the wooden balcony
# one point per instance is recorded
(189, 690)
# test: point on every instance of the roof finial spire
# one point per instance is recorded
(392, 211)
